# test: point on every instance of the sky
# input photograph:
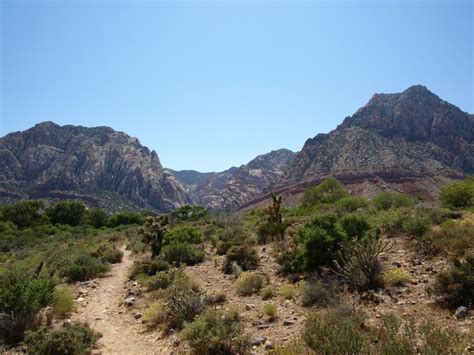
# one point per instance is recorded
(212, 84)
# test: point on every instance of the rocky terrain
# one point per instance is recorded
(99, 166)
(229, 189)
(412, 142)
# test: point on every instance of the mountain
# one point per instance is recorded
(198, 185)
(411, 141)
(99, 166)
(227, 190)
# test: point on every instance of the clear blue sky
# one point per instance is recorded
(209, 84)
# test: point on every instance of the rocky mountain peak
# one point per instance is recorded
(53, 161)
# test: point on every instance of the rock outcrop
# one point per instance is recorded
(99, 166)
(411, 141)
(229, 189)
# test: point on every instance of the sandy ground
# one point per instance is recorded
(103, 310)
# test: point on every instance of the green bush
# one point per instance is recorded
(267, 292)
(386, 200)
(417, 226)
(63, 302)
(77, 338)
(217, 298)
(396, 277)
(215, 332)
(190, 235)
(389, 222)
(98, 218)
(458, 195)
(126, 218)
(183, 304)
(112, 256)
(22, 296)
(84, 267)
(149, 268)
(72, 213)
(454, 237)
(350, 204)
(354, 225)
(163, 279)
(242, 255)
(456, 286)
(287, 291)
(337, 331)
(25, 214)
(270, 309)
(318, 243)
(248, 283)
(182, 253)
(328, 191)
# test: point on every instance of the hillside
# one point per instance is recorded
(229, 189)
(411, 141)
(99, 166)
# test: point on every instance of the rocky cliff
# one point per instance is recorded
(98, 165)
(229, 189)
(411, 141)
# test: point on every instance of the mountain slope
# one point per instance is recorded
(412, 141)
(98, 165)
(229, 189)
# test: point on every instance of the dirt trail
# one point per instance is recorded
(121, 333)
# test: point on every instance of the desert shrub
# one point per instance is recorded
(215, 332)
(423, 337)
(355, 226)
(155, 315)
(287, 291)
(191, 235)
(386, 200)
(359, 263)
(84, 267)
(77, 338)
(182, 253)
(458, 195)
(270, 309)
(249, 283)
(316, 292)
(112, 256)
(242, 255)
(24, 214)
(396, 277)
(390, 222)
(163, 279)
(453, 237)
(63, 302)
(189, 213)
(72, 213)
(267, 292)
(350, 204)
(417, 226)
(328, 191)
(182, 306)
(217, 298)
(125, 218)
(149, 268)
(231, 234)
(22, 296)
(154, 232)
(7, 227)
(318, 243)
(337, 331)
(456, 286)
(98, 218)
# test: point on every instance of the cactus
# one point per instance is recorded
(154, 233)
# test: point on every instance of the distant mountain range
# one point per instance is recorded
(411, 141)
